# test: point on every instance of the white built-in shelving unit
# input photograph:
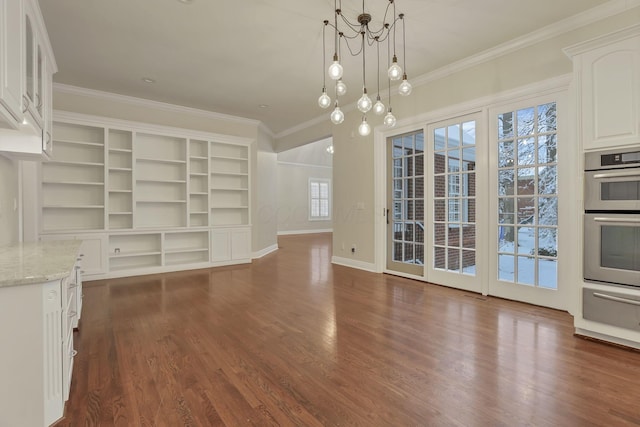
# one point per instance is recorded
(148, 198)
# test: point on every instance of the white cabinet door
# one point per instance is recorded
(11, 59)
(220, 245)
(609, 76)
(241, 244)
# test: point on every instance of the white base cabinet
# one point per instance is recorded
(230, 245)
(31, 362)
(38, 312)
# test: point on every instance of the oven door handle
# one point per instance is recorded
(624, 174)
(622, 220)
(616, 299)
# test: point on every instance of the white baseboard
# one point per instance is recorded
(360, 265)
(288, 232)
(265, 251)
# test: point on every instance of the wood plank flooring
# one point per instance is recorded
(292, 340)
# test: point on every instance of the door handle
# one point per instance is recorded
(387, 215)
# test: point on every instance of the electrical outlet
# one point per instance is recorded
(353, 248)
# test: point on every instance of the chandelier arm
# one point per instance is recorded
(364, 76)
(404, 45)
(389, 61)
(351, 51)
(324, 56)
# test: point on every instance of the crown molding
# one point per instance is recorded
(574, 22)
(99, 121)
(621, 34)
(571, 23)
(141, 102)
(264, 128)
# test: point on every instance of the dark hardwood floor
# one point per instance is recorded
(292, 340)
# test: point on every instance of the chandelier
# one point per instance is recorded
(356, 37)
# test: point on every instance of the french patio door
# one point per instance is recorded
(524, 162)
(455, 181)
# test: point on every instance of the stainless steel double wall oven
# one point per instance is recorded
(612, 217)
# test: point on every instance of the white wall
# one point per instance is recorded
(9, 219)
(295, 168)
(265, 196)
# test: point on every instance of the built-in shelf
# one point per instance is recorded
(94, 184)
(54, 162)
(73, 207)
(156, 198)
(156, 160)
(73, 142)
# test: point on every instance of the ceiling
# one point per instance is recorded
(232, 57)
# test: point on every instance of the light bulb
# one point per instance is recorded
(389, 119)
(335, 70)
(405, 87)
(378, 107)
(324, 101)
(341, 88)
(337, 116)
(364, 129)
(364, 103)
(395, 71)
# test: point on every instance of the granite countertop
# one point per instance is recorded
(29, 263)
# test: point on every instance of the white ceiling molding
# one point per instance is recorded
(140, 102)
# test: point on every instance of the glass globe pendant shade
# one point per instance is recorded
(405, 87)
(337, 116)
(335, 70)
(364, 129)
(341, 88)
(324, 101)
(395, 71)
(378, 107)
(364, 103)
(390, 119)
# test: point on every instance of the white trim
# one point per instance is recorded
(147, 103)
(265, 251)
(86, 119)
(584, 46)
(306, 165)
(582, 333)
(264, 128)
(316, 231)
(360, 265)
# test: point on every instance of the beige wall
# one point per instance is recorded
(9, 224)
(353, 169)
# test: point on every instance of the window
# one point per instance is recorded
(319, 199)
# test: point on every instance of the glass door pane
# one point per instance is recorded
(454, 201)
(527, 202)
(405, 249)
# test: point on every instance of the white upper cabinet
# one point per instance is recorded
(11, 63)
(607, 72)
(27, 66)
